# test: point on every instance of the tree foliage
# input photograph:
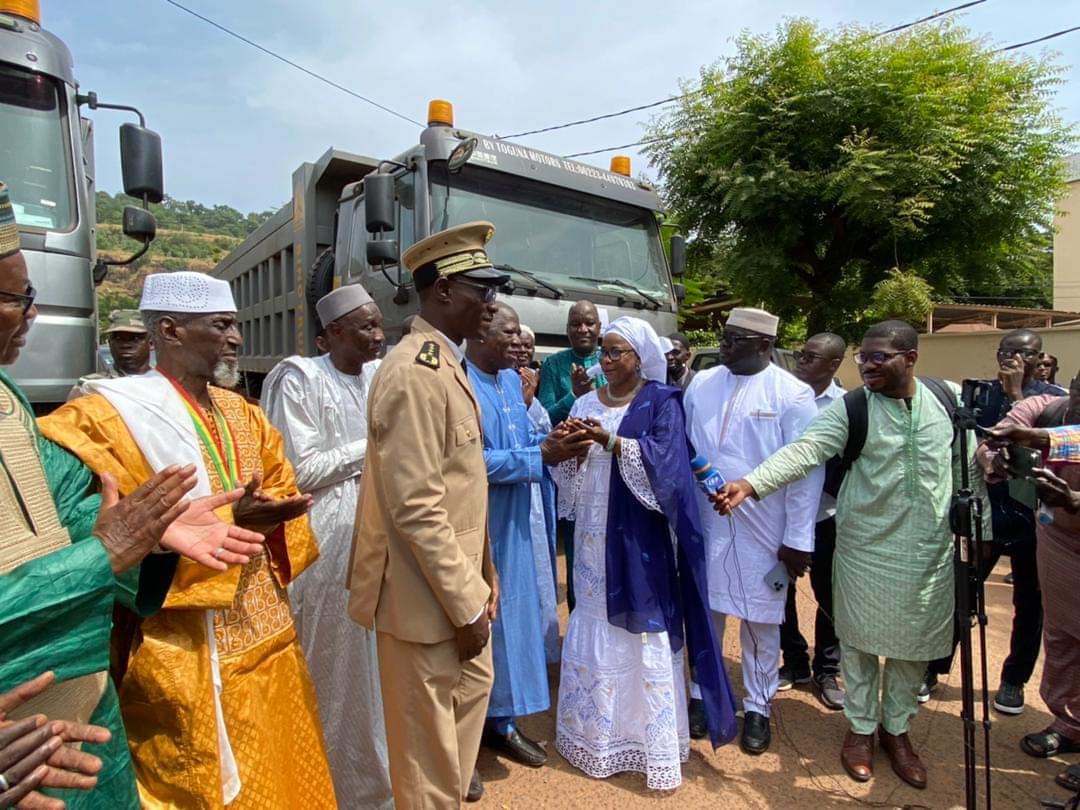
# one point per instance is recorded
(811, 163)
(185, 215)
(901, 296)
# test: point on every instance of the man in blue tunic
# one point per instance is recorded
(515, 456)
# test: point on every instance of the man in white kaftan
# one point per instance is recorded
(737, 415)
(320, 406)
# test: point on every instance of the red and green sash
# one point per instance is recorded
(216, 437)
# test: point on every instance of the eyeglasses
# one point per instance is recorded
(487, 292)
(877, 358)
(1027, 354)
(730, 339)
(615, 355)
(26, 300)
(809, 357)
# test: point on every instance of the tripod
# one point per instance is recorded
(965, 520)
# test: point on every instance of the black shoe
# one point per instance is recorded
(789, 676)
(699, 723)
(829, 692)
(476, 788)
(516, 746)
(756, 735)
(929, 684)
(1009, 698)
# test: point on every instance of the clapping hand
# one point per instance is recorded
(255, 509)
(130, 527)
(33, 754)
(579, 381)
(200, 535)
(530, 381)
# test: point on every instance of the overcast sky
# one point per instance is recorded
(236, 123)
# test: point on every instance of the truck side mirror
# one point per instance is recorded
(140, 163)
(139, 224)
(678, 255)
(379, 203)
(680, 292)
(382, 252)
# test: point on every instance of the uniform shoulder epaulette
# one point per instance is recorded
(428, 354)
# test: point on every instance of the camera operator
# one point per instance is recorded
(1013, 526)
(1058, 558)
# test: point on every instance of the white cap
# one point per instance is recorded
(340, 302)
(755, 320)
(186, 291)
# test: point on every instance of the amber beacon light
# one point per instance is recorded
(620, 164)
(439, 112)
(30, 9)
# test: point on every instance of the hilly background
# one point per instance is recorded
(190, 236)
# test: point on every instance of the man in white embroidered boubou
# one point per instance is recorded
(737, 415)
(320, 406)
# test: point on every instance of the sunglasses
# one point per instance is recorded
(730, 339)
(1027, 354)
(877, 358)
(487, 292)
(25, 300)
(809, 357)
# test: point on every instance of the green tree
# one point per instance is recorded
(814, 162)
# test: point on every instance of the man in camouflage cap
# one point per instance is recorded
(129, 345)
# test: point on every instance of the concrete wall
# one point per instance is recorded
(972, 354)
(1067, 244)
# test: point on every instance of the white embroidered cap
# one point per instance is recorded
(341, 302)
(186, 291)
(755, 320)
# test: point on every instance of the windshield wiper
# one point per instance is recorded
(618, 282)
(509, 268)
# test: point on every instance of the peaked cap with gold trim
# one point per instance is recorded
(9, 231)
(456, 251)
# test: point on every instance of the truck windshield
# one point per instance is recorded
(34, 158)
(566, 238)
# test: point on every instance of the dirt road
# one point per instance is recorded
(802, 768)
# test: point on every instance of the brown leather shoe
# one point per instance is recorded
(905, 762)
(857, 756)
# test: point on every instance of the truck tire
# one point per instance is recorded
(321, 280)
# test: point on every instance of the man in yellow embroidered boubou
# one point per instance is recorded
(214, 672)
(67, 556)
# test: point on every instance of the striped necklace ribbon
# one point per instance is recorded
(216, 438)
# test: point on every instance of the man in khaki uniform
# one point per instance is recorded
(421, 572)
(129, 345)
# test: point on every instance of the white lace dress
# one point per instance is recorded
(622, 699)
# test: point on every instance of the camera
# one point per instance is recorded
(975, 395)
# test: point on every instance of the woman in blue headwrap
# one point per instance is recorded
(639, 576)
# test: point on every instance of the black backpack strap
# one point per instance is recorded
(857, 414)
(944, 394)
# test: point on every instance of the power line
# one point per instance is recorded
(681, 96)
(1054, 35)
(599, 117)
(291, 63)
(927, 18)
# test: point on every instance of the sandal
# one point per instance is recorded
(1069, 778)
(1048, 743)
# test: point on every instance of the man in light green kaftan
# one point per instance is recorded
(893, 570)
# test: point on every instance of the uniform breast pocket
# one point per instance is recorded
(466, 431)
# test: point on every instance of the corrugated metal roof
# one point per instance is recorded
(1072, 168)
